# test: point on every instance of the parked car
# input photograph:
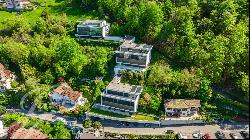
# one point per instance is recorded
(206, 136)
(181, 136)
(220, 135)
(234, 136)
(169, 131)
(53, 112)
(71, 123)
(197, 134)
(147, 125)
(244, 134)
(60, 119)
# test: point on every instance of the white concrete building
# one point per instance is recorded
(93, 28)
(1, 127)
(121, 98)
(17, 4)
(6, 77)
(181, 107)
(132, 56)
(65, 96)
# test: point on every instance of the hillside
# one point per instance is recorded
(200, 49)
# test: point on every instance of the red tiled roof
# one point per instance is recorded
(65, 90)
(31, 133)
(4, 72)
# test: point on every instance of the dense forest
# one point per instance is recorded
(200, 51)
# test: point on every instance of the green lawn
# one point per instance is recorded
(55, 7)
(142, 117)
(133, 117)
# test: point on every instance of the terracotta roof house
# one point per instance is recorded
(121, 98)
(64, 95)
(16, 5)
(181, 107)
(31, 133)
(6, 77)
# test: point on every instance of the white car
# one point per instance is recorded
(181, 136)
(60, 119)
(197, 134)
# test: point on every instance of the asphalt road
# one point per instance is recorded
(111, 126)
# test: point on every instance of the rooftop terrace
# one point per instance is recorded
(115, 85)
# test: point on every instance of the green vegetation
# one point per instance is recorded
(132, 136)
(97, 125)
(142, 117)
(133, 117)
(106, 113)
(57, 131)
(200, 50)
(87, 123)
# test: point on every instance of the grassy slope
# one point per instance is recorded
(54, 8)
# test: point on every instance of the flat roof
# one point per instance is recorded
(91, 22)
(128, 46)
(182, 103)
(115, 85)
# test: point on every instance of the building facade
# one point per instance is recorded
(92, 28)
(132, 56)
(119, 97)
(6, 77)
(17, 4)
(181, 107)
(65, 96)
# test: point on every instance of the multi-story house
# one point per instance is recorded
(92, 28)
(17, 4)
(65, 96)
(181, 107)
(6, 77)
(121, 98)
(132, 56)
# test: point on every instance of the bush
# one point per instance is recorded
(2, 109)
(97, 125)
(87, 123)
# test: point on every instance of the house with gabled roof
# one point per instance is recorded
(65, 96)
(31, 133)
(181, 107)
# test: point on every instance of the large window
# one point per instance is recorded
(83, 31)
(95, 31)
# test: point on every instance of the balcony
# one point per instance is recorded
(131, 61)
(125, 107)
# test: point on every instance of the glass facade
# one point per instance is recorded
(87, 31)
(117, 101)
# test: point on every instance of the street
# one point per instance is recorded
(139, 129)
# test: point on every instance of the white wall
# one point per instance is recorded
(181, 122)
(1, 127)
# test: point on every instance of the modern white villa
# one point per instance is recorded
(65, 96)
(6, 77)
(120, 98)
(16, 5)
(92, 28)
(181, 107)
(132, 56)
